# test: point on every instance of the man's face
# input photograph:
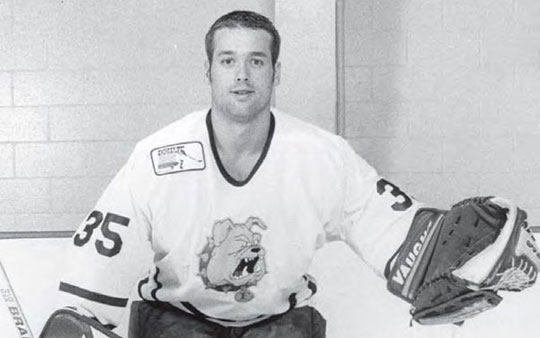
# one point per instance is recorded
(241, 75)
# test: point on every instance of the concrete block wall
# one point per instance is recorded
(80, 83)
(443, 96)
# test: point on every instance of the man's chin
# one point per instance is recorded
(248, 97)
(246, 112)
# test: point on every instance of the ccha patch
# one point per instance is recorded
(180, 157)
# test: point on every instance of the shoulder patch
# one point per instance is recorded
(175, 158)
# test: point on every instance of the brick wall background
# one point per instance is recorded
(443, 96)
(80, 83)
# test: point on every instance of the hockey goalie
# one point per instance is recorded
(233, 201)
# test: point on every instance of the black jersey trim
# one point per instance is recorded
(158, 285)
(145, 281)
(93, 296)
(310, 285)
(222, 169)
(142, 283)
(197, 313)
(313, 287)
(292, 301)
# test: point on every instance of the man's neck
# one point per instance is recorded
(240, 138)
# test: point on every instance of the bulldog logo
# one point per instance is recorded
(233, 258)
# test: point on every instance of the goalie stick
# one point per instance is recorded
(12, 307)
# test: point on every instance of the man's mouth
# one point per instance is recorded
(246, 267)
(242, 92)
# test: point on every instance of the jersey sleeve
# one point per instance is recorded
(108, 252)
(376, 213)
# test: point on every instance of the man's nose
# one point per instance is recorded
(242, 74)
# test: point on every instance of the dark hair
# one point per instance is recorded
(245, 19)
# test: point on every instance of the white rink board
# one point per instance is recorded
(31, 266)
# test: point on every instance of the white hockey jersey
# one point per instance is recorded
(232, 252)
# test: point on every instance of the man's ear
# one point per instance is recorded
(207, 71)
(277, 73)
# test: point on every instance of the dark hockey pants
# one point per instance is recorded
(161, 320)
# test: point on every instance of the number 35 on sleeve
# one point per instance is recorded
(95, 220)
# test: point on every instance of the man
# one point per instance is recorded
(233, 202)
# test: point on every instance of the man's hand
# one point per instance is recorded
(452, 263)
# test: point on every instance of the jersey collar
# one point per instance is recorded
(222, 169)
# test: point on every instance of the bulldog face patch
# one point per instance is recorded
(178, 157)
(233, 259)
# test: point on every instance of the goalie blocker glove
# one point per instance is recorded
(453, 263)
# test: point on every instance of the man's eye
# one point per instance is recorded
(227, 61)
(257, 62)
